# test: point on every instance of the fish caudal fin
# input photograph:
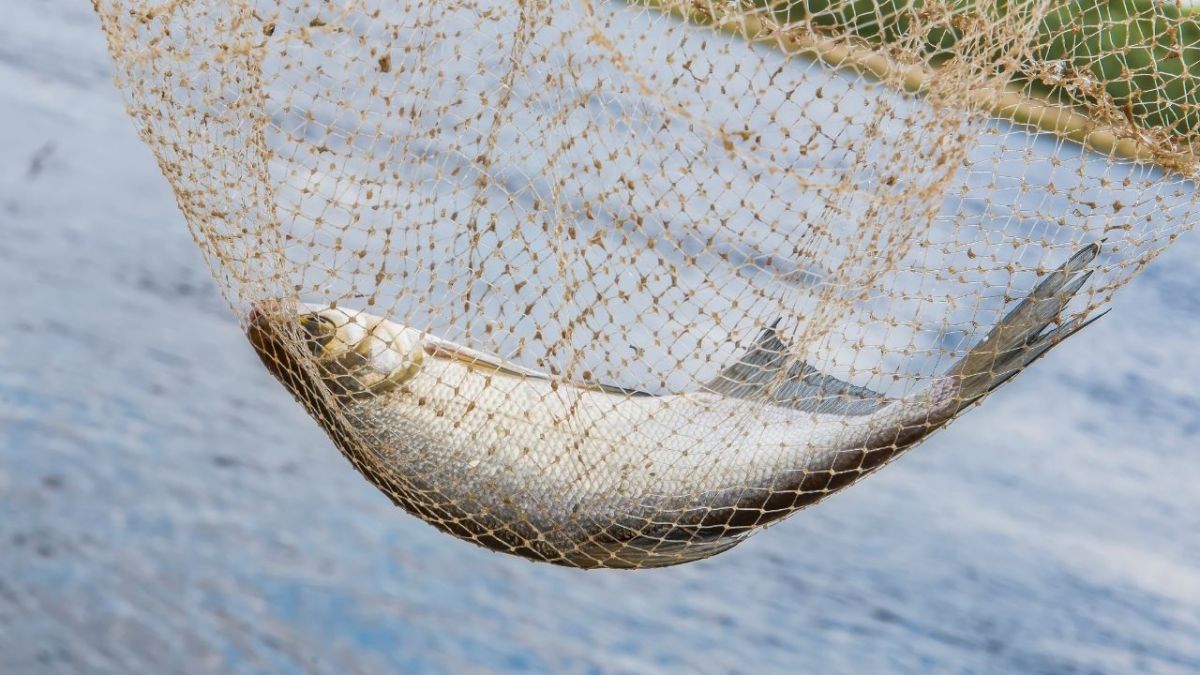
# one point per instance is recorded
(1021, 337)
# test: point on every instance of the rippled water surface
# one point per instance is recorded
(165, 507)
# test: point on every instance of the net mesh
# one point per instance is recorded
(616, 284)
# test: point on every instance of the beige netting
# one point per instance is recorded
(614, 284)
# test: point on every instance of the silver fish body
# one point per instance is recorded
(595, 476)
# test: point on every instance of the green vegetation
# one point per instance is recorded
(1139, 59)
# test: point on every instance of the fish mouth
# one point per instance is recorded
(272, 327)
(269, 323)
(273, 331)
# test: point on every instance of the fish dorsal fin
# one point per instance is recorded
(760, 376)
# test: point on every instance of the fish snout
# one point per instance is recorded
(271, 327)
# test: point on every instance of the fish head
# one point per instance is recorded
(352, 353)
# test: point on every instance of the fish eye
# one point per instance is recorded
(318, 331)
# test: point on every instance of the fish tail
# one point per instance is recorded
(1021, 337)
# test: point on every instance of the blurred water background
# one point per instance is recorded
(166, 507)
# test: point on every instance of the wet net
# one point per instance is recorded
(616, 284)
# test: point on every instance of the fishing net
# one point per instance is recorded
(616, 284)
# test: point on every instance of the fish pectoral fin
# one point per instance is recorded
(768, 372)
(475, 359)
(482, 361)
(612, 389)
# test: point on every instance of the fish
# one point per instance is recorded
(600, 476)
